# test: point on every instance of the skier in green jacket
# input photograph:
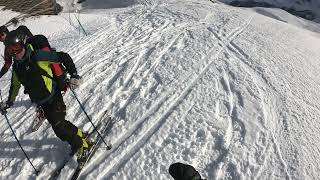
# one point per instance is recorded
(32, 69)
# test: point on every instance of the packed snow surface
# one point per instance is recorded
(230, 91)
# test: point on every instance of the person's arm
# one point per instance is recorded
(14, 89)
(7, 63)
(67, 62)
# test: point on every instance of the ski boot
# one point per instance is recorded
(84, 151)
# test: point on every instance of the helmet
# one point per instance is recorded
(4, 29)
(15, 37)
(15, 41)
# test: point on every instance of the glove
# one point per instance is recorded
(4, 106)
(75, 81)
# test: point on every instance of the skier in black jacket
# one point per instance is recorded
(32, 69)
(7, 56)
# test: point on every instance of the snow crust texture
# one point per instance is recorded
(229, 91)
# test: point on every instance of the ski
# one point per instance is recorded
(97, 142)
(91, 135)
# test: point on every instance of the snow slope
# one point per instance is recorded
(284, 16)
(230, 91)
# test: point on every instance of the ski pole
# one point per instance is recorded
(82, 107)
(5, 115)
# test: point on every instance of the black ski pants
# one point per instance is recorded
(55, 112)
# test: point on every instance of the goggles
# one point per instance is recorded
(15, 48)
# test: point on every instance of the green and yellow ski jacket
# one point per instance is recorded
(35, 74)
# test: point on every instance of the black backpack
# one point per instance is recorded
(38, 42)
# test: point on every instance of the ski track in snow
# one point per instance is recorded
(142, 69)
(94, 67)
(144, 73)
(115, 163)
(267, 111)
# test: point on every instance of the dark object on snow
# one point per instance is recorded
(14, 21)
(181, 171)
